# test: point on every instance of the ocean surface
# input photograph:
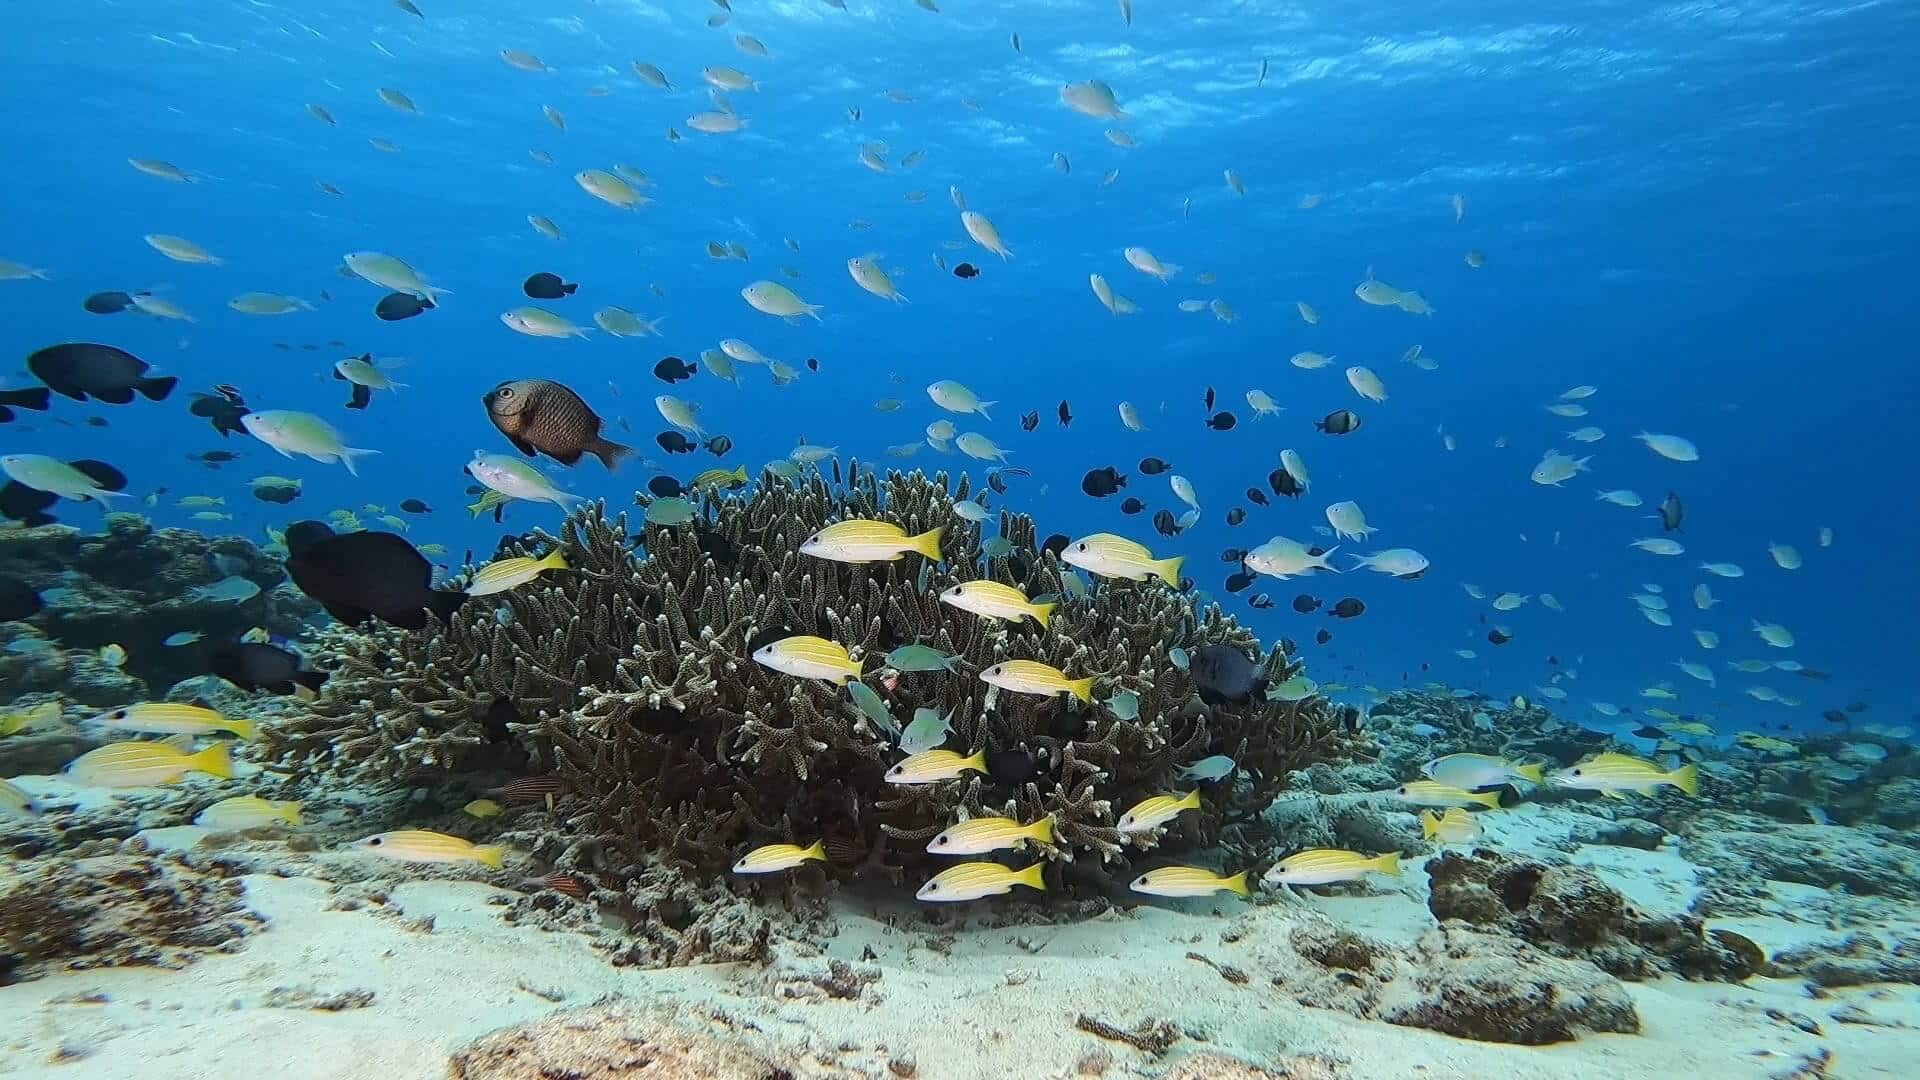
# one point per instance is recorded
(1707, 212)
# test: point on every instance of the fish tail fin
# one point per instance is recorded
(1082, 688)
(609, 453)
(739, 473)
(289, 812)
(570, 288)
(1041, 613)
(1530, 773)
(244, 729)
(1168, 570)
(1429, 825)
(928, 544)
(1388, 864)
(981, 408)
(1488, 799)
(1030, 877)
(1236, 884)
(978, 762)
(212, 761)
(555, 560)
(1041, 831)
(1687, 779)
(1167, 270)
(816, 850)
(349, 454)
(1189, 801)
(490, 855)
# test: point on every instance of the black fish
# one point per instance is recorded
(1223, 675)
(415, 506)
(1239, 582)
(18, 600)
(363, 574)
(1648, 731)
(1233, 555)
(675, 443)
(1671, 512)
(95, 421)
(1055, 544)
(499, 716)
(813, 363)
(1235, 516)
(36, 398)
(1164, 524)
(718, 445)
(1283, 484)
(1323, 636)
(716, 547)
(1011, 766)
(252, 666)
(664, 486)
(278, 495)
(1132, 506)
(213, 457)
(394, 307)
(28, 505)
(1208, 400)
(1066, 415)
(542, 416)
(1029, 421)
(1831, 716)
(966, 270)
(1260, 602)
(1347, 609)
(1305, 604)
(672, 369)
(1499, 636)
(545, 286)
(1153, 466)
(996, 483)
(1256, 496)
(80, 370)
(1221, 421)
(107, 303)
(359, 396)
(1102, 482)
(223, 409)
(1338, 422)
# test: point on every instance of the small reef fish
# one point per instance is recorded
(933, 766)
(992, 600)
(1152, 812)
(481, 808)
(1033, 677)
(926, 732)
(12, 723)
(1324, 866)
(249, 812)
(773, 858)
(1207, 769)
(172, 718)
(1474, 771)
(501, 575)
(808, 657)
(974, 880)
(1430, 793)
(146, 764)
(921, 658)
(981, 835)
(861, 540)
(1455, 826)
(1185, 881)
(1113, 556)
(1614, 774)
(423, 846)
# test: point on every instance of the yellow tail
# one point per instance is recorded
(1686, 778)
(288, 812)
(1388, 864)
(1488, 799)
(1530, 773)
(555, 560)
(817, 850)
(1041, 613)
(1081, 688)
(1236, 883)
(1030, 877)
(243, 729)
(1168, 570)
(1189, 801)
(1041, 831)
(1429, 824)
(491, 855)
(928, 544)
(978, 762)
(740, 474)
(213, 761)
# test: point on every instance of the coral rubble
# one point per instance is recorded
(610, 1040)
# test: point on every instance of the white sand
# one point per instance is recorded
(957, 1015)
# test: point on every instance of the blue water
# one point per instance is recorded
(1706, 210)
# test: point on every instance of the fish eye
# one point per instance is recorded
(1578, 772)
(504, 392)
(373, 841)
(933, 886)
(940, 841)
(118, 714)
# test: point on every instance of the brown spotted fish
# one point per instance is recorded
(542, 416)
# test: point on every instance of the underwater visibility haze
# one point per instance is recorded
(959, 538)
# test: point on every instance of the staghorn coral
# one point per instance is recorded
(630, 676)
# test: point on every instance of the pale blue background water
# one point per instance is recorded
(1707, 210)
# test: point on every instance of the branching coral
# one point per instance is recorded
(630, 676)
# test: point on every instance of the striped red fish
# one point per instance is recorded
(531, 789)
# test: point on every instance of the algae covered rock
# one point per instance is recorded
(1492, 988)
(612, 1040)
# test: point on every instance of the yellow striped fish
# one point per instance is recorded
(1613, 774)
(502, 574)
(1118, 557)
(1322, 866)
(1033, 677)
(1456, 826)
(932, 766)
(981, 835)
(862, 540)
(146, 764)
(249, 812)
(172, 718)
(1151, 813)
(973, 880)
(420, 845)
(1431, 793)
(992, 600)
(721, 479)
(1188, 881)
(809, 657)
(773, 858)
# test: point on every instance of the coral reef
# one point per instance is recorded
(613, 1040)
(629, 675)
(1568, 911)
(131, 585)
(115, 911)
(1743, 849)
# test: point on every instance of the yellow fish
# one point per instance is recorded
(1188, 881)
(1116, 556)
(720, 479)
(1456, 826)
(172, 718)
(482, 808)
(1613, 774)
(1323, 866)
(1033, 677)
(489, 499)
(249, 812)
(861, 540)
(978, 836)
(773, 858)
(14, 722)
(932, 766)
(1151, 813)
(146, 764)
(420, 845)
(992, 600)
(501, 575)
(809, 657)
(973, 880)
(1431, 793)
